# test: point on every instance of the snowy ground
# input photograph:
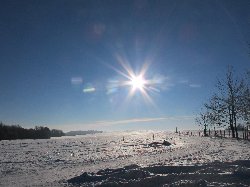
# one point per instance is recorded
(105, 159)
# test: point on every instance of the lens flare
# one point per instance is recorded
(136, 81)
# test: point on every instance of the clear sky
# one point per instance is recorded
(77, 64)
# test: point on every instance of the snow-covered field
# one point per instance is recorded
(138, 160)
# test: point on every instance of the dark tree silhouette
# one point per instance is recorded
(56, 133)
(17, 132)
(230, 104)
(215, 109)
(203, 121)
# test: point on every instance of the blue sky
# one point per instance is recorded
(61, 61)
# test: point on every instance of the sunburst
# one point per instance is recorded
(137, 82)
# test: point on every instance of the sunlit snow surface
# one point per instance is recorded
(64, 161)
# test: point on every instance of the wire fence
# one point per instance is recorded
(242, 134)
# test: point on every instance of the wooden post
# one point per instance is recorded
(246, 133)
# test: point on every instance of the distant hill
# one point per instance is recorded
(74, 133)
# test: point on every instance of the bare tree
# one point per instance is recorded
(229, 105)
(231, 91)
(245, 101)
(203, 120)
(216, 110)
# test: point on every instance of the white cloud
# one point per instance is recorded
(183, 81)
(188, 83)
(194, 85)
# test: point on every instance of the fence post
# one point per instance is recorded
(246, 133)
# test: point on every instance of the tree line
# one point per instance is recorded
(17, 132)
(229, 107)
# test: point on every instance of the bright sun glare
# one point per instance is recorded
(138, 82)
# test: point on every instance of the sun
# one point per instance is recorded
(137, 82)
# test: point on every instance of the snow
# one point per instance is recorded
(106, 159)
